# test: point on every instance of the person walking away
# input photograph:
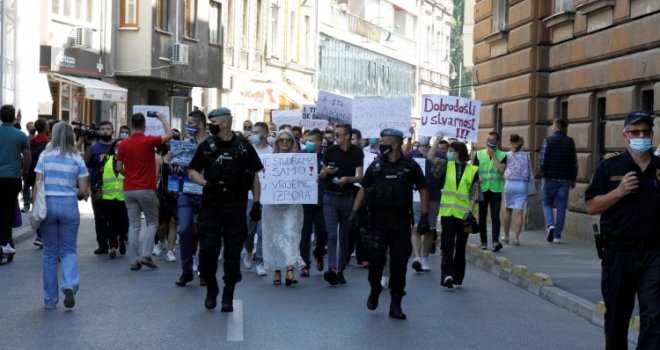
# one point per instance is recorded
(438, 159)
(113, 202)
(516, 176)
(225, 165)
(387, 190)
(625, 191)
(62, 169)
(14, 145)
(460, 190)
(137, 162)
(342, 167)
(491, 163)
(37, 145)
(559, 167)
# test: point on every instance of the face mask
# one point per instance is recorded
(123, 135)
(385, 149)
(491, 144)
(214, 129)
(247, 133)
(641, 145)
(309, 146)
(106, 138)
(191, 130)
(33, 132)
(270, 140)
(255, 139)
(451, 156)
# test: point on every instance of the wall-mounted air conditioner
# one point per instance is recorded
(82, 38)
(179, 54)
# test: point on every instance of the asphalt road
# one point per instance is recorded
(117, 308)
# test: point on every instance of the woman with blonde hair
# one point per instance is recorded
(282, 224)
(516, 175)
(66, 180)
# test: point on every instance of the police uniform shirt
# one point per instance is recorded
(202, 163)
(635, 217)
(346, 163)
(416, 177)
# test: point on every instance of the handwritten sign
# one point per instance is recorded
(311, 120)
(287, 116)
(333, 107)
(289, 178)
(153, 125)
(373, 114)
(452, 116)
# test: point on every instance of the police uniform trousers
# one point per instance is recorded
(389, 228)
(117, 216)
(627, 272)
(454, 242)
(222, 220)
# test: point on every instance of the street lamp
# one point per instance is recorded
(460, 75)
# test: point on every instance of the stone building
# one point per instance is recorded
(589, 61)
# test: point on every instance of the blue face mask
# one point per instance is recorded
(373, 141)
(451, 156)
(123, 135)
(491, 144)
(191, 130)
(309, 146)
(247, 133)
(255, 139)
(641, 145)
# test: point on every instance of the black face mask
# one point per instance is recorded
(106, 138)
(385, 149)
(33, 132)
(214, 129)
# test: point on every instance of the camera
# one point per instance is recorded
(152, 114)
(89, 131)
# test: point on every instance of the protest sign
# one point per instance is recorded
(286, 116)
(373, 114)
(333, 107)
(182, 152)
(311, 120)
(452, 116)
(153, 125)
(289, 178)
(178, 181)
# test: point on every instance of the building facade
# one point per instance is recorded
(588, 61)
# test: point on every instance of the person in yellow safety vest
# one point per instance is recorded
(112, 202)
(491, 162)
(460, 190)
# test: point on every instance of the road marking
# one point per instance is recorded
(235, 322)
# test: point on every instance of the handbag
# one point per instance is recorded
(531, 184)
(470, 224)
(39, 205)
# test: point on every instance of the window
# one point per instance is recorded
(647, 101)
(500, 10)
(564, 5)
(77, 10)
(162, 14)
(128, 13)
(293, 37)
(215, 25)
(245, 34)
(260, 27)
(230, 21)
(599, 131)
(274, 33)
(190, 29)
(307, 41)
(563, 110)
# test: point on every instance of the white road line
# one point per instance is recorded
(235, 322)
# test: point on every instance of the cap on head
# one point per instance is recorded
(638, 116)
(392, 132)
(220, 112)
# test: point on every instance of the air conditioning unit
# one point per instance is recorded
(179, 54)
(82, 38)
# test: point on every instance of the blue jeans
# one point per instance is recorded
(551, 191)
(60, 236)
(252, 229)
(336, 210)
(188, 205)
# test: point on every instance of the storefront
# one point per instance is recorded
(77, 92)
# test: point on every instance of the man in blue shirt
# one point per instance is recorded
(12, 166)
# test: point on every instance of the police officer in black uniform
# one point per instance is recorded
(225, 164)
(387, 190)
(625, 190)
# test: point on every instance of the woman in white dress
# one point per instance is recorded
(282, 224)
(517, 174)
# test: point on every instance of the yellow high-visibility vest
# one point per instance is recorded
(492, 179)
(113, 186)
(455, 200)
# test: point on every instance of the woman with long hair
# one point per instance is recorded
(66, 180)
(517, 175)
(282, 224)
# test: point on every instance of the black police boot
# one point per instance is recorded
(211, 295)
(184, 279)
(372, 302)
(395, 308)
(227, 299)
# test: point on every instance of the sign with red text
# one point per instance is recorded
(451, 116)
(373, 114)
(289, 178)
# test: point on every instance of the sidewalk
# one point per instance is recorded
(566, 274)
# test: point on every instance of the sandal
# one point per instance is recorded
(505, 239)
(304, 272)
(290, 280)
(277, 280)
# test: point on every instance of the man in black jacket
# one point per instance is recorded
(558, 161)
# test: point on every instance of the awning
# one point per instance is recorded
(292, 95)
(95, 89)
(44, 98)
(304, 88)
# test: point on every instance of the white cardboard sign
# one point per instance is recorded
(334, 107)
(289, 178)
(154, 126)
(311, 120)
(286, 116)
(373, 114)
(450, 116)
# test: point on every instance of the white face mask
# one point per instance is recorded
(270, 140)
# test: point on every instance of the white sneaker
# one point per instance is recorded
(425, 264)
(169, 257)
(385, 281)
(556, 240)
(8, 249)
(261, 271)
(157, 250)
(195, 263)
(247, 260)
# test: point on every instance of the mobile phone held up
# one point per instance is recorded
(152, 114)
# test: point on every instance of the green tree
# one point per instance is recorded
(464, 77)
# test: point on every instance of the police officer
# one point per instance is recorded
(224, 165)
(625, 190)
(387, 190)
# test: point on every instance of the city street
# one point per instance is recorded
(119, 308)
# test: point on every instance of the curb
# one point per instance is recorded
(22, 234)
(541, 284)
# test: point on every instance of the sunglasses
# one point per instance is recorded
(282, 140)
(247, 128)
(338, 134)
(640, 132)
